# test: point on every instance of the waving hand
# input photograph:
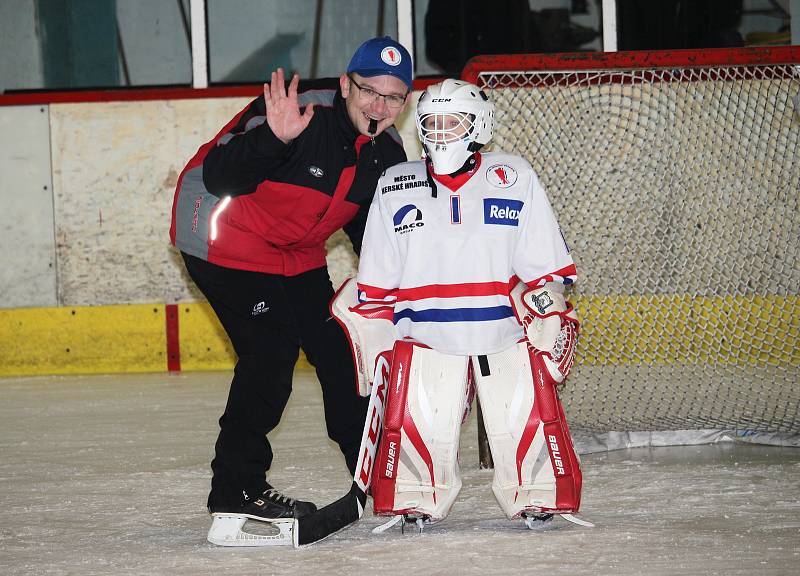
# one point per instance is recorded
(283, 113)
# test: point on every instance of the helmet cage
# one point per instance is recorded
(454, 119)
(445, 127)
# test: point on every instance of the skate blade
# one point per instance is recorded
(544, 521)
(384, 527)
(576, 520)
(227, 530)
(418, 524)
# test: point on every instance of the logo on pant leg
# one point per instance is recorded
(259, 308)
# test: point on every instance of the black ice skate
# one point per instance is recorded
(270, 507)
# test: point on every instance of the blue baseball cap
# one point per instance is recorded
(382, 56)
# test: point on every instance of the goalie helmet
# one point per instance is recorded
(454, 119)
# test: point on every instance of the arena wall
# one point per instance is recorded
(88, 278)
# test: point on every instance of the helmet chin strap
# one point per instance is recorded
(429, 172)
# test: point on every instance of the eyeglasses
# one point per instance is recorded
(369, 95)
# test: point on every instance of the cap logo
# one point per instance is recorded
(391, 56)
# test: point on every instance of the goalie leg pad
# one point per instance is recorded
(536, 468)
(417, 463)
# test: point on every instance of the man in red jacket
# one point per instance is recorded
(252, 211)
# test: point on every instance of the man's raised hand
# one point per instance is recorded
(283, 112)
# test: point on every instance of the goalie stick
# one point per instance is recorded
(349, 508)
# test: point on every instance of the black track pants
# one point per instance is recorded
(268, 318)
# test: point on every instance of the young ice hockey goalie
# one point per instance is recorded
(462, 277)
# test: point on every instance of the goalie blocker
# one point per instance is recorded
(369, 328)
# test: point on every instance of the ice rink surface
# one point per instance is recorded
(108, 475)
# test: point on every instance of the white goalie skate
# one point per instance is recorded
(418, 522)
(228, 530)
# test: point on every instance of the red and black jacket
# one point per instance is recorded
(248, 201)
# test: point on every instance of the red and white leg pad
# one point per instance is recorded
(416, 469)
(536, 467)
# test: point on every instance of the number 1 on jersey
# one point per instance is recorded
(455, 209)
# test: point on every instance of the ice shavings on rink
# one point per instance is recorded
(108, 475)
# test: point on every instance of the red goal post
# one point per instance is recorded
(676, 178)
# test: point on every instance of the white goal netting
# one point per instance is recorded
(677, 187)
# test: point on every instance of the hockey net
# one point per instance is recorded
(675, 177)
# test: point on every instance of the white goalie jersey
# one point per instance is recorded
(448, 263)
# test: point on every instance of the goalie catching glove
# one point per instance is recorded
(551, 326)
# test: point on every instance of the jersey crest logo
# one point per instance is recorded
(501, 175)
(315, 171)
(503, 211)
(407, 219)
